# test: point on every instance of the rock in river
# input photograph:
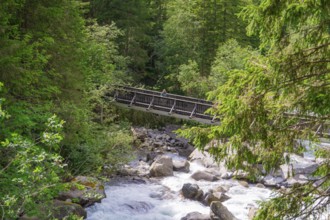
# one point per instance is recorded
(181, 165)
(196, 216)
(163, 166)
(201, 175)
(84, 191)
(219, 211)
(192, 191)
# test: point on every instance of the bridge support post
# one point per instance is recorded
(172, 108)
(193, 111)
(213, 119)
(133, 99)
(152, 101)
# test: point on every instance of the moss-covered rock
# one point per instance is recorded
(62, 209)
(84, 191)
(56, 210)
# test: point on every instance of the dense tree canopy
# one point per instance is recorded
(261, 105)
(52, 63)
(59, 57)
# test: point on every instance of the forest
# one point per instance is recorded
(256, 59)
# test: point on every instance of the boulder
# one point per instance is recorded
(222, 197)
(84, 191)
(202, 175)
(139, 133)
(298, 165)
(181, 165)
(228, 175)
(192, 191)
(184, 149)
(163, 166)
(240, 174)
(216, 171)
(276, 172)
(151, 156)
(138, 168)
(62, 209)
(219, 211)
(222, 189)
(260, 185)
(163, 193)
(196, 216)
(59, 210)
(215, 196)
(243, 183)
(272, 181)
(127, 170)
(208, 198)
(204, 157)
(297, 179)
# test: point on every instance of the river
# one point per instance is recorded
(135, 198)
(161, 199)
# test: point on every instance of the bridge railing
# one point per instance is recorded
(169, 95)
(189, 107)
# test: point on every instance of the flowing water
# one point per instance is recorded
(161, 200)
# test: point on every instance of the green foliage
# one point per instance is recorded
(132, 18)
(158, 36)
(103, 58)
(261, 106)
(90, 148)
(73, 217)
(298, 37)
(64, 70)
(194, 31)
(146, 119)
(247, 105)
(3, 114)
(179, 42)
(191, 82)
(52, 63)
(39, 63)
(111, 148)
(105, 67)
(29, 174)
(245, 108)
(230, 56)
(52, 136)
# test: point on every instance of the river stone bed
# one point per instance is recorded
(138, 193)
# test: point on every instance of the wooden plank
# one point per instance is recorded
(174, 105)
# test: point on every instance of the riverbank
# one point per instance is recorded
(151, 187)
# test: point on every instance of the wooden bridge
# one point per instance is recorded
(180, 106)
(164, 104)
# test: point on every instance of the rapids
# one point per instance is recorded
(161, 199)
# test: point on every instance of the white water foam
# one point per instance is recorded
(147, 201)
(141, 202)
(242, 198)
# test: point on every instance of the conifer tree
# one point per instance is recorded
(275, 101)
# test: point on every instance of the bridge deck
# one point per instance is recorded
(180, 106)
(164, 104)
